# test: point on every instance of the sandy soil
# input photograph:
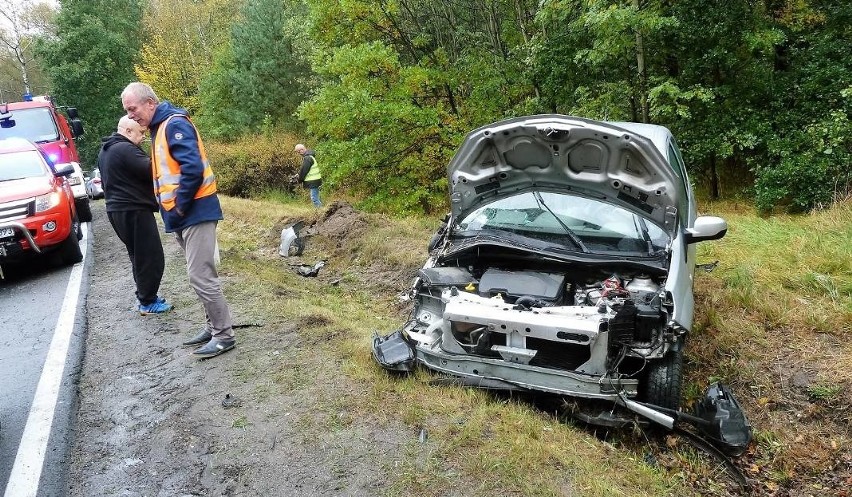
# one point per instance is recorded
(152, 421)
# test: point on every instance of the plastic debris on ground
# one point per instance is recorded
(291, 243)
(307, 270)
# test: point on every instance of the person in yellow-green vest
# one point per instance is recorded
(309, 175)
(185, 187)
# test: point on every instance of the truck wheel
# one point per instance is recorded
(69, 249)
(663, 380)
(84, 211)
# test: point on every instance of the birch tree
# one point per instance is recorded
(20, 26)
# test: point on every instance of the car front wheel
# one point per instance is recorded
(663, 380)
(69, 249)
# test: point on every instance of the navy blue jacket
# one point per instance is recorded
(183, 144)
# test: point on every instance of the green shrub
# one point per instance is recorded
(810, 168)
(253, 165)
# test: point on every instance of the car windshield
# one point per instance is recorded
(36, 125)
(578, 223)
(19, 165)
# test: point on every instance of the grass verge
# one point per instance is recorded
(773, 320)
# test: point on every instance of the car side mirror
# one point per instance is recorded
(72, 112)
(7, 123)
(706, 228)
(76, 127)
(63, 170)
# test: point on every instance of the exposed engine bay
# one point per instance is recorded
(565, 319)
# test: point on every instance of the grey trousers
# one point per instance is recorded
(199, 245)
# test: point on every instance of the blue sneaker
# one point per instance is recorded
(158, 306)
(159, 299)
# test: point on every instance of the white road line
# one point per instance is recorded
(23, 481)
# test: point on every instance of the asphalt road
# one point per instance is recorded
(42, 331)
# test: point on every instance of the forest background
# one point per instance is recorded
(759, 93)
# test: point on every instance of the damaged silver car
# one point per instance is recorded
(565, 266)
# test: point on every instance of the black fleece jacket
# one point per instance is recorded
(126, 175)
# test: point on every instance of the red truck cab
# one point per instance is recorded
(37, 210)
(38, 120)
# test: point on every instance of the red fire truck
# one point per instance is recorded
(38, 120)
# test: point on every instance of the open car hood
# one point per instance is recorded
(621, 163)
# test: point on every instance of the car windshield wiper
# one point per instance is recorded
(573, 236)
(645, 236)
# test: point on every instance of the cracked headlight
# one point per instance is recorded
(47, 201)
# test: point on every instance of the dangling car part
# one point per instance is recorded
(723, 429)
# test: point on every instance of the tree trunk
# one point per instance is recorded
(640, 70)
(714, 178)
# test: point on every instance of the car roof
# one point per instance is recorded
(15, 144)
(35, 103)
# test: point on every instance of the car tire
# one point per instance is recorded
(663, 380)
(69, 249)
(84, 210)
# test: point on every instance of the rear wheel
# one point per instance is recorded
(663, 380)
(84, 211)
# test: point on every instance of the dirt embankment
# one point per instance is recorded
(154, 421)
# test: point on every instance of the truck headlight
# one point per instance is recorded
(47, 201)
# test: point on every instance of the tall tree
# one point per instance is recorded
(806, 160)
(403, 80)
(720, 60)
(602, 58)
(263, 74)
(91, 60)
(182, 38)
(20, 25)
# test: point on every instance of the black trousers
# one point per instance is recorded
(140, 234)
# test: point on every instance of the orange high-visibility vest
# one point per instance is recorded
(166, 169)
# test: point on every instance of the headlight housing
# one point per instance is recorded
(47, 201)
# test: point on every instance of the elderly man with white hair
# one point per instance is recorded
(309, 175)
